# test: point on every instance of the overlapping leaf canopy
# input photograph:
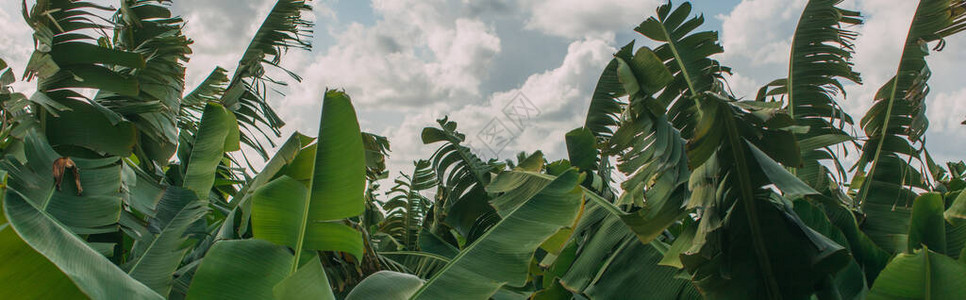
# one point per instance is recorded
(724, 198)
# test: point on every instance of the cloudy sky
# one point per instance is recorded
(407, 62)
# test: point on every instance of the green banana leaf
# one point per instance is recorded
(156, 258)
(87, 127)
(240, 269)
(895, 125)
(211, 143)
(927, 228)
(386, 285)
(533, 207)
(309, 282)
(95, 210)
(921, 275)
(90, 271)
(603, 249)
(288, 212)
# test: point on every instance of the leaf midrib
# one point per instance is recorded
(678, 59)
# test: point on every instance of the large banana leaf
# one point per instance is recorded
(138, 75)
(282, 214)
(308, 282)
(462, 177)
(686, 56)
(85, 126)
(651, 151)
(236, 223)
(895, 125)
(582, 149)
(608, 260)
(246, 93)
(749, 243)
(155, 259)
(193, 103)
(146, 27)
(66, 55)
(649, 138)
(95, 210)
(386, 285)
(27, 270)
(849, 283)
(603, 117)
(30, 273)
(485, 262)
(340, 167)
(91, 272)
(242, 203)
(307, 214)
(821, 54)
(921, 275)
(955, 227)
(215, 137)
(605, 105)
(649, 147)
(867, 254)
(533, 207)
(927, 228)
(241, 269)
(433, 254)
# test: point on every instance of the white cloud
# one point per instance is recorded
(576, 19)
(418, 59)
(463, 55)
(742, 86)
(759, 31)
(561, 95)
(416, 54)
(946, 111)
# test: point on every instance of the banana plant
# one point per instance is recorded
(407, 208)
(821, 52)
(109, 192)
(42, 226)
(725, 198)
(532, 208)
(301, 209)
(245, 93)
(885, 175)
(462, 178)
(327, 180)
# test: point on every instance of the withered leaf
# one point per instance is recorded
(60, 165)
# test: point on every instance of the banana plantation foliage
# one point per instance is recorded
(121, 183)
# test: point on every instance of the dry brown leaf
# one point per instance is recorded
(60, 165)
